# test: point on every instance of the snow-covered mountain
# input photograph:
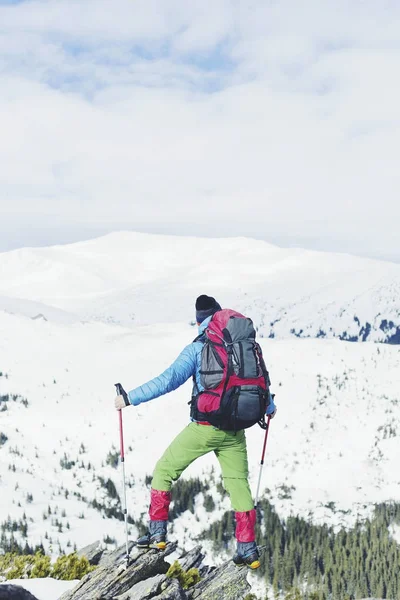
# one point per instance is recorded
(131, 278)
(120, 309)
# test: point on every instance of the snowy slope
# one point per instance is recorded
(130, 278)
(75, 319)
(36, 310)
(333, 448)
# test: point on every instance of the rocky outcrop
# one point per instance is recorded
(15, 592)
(144, 578)
(93, 552)
(222, 583)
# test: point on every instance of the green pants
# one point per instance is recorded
(195, 441)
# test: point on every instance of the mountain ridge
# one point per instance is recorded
(287, 292)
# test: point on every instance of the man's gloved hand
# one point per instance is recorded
(122, 401)
(271, 408)
(273, 413)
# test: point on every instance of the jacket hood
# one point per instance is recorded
(203, 325)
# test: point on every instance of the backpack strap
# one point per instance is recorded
(200, 338)
(196, 391)
(263, 366)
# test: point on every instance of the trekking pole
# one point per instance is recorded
(121, 392)
(262, 460)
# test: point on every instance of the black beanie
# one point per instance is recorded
(206, 306)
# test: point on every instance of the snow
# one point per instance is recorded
(119, 309)
(327, 441)
(120, 277)
(395, 532)
(36, 310)
(44, 589)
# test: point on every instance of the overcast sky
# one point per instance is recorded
(275, 119)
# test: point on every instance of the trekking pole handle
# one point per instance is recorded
(119, 389)
(120, 392)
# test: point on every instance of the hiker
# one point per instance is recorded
(215, 425)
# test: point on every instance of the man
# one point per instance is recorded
(197, 439)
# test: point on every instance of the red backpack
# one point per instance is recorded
(233, 375)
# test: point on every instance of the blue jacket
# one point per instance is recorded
(185, 366)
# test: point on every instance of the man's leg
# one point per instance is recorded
(191, 443)
(194, 441)
(232, 456)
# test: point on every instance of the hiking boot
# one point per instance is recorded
(247, 555)
(152, 541)
(156, 537)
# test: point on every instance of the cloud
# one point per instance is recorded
(277, 120)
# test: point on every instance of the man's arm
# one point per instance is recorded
(179, 372)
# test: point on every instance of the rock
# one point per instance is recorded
(110, 580)
(173, 591)
(205, 570)
(145, 578)
(116, 556)
(93, 552)
(223, 583)
(159, 587)
(145, 589)
(15, 592)
(192, 559)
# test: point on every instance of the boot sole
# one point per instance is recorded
(156, 546)
(253, 566)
